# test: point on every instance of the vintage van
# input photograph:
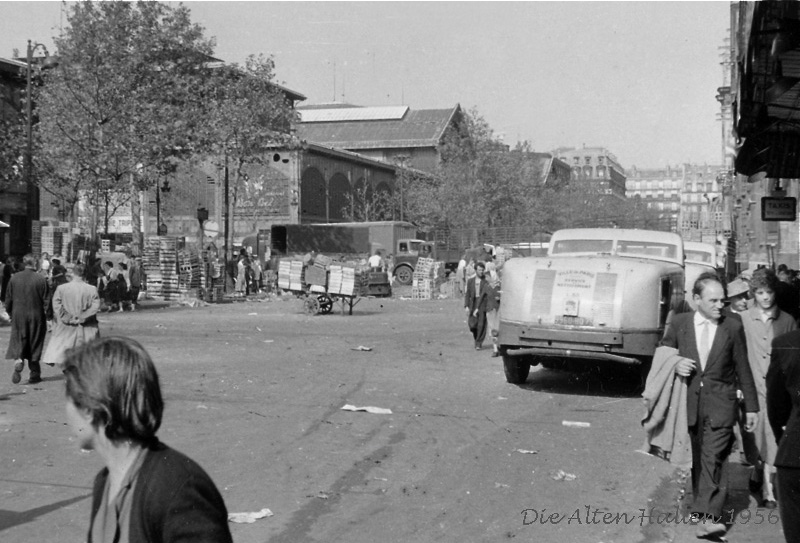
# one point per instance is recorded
(600, 294)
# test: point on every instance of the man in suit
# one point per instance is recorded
(26, 300)
(476, 303)
(715, 368)
(783, 412)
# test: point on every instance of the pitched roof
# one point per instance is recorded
(376, 128)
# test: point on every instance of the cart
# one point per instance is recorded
(321, 285)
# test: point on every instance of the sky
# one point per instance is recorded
(638, 78)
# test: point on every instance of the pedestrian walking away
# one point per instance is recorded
(716, 367)
(783, 412)
(135, 286)
(26, 300)
(147, 491)
(476, 303)
(75, 308)
(762, 323)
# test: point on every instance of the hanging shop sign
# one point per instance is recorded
(778, 209)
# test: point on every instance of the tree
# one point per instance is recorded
(122, 101)
(479, 182)
(12, 145)
(247, 115)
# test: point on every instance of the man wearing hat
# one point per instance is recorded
(738, 294)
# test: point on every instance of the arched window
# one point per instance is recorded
(339, 197)
(312, 195)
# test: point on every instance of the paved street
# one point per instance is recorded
(254, 393)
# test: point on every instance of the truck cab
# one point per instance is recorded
(600, 294)
(407, 252)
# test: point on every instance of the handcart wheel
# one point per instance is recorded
(325, 304)
(311, 305)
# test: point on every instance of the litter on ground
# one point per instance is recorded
(368, 409)
(561, 475)
(575, 424)
(525, 451)
(249, 518)
(361, 348)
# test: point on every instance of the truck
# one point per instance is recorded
(354, 240)
(362, 238)
(449, 245)
(600, 295)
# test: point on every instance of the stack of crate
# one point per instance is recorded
(160, 263)
(423, 280)
(284, 269)
(189, 276)
(168, 264)
(335, 278)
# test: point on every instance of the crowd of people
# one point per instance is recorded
(736, 357)
(147, 491)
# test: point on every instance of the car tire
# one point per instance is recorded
(516, 368)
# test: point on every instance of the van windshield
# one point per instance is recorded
(644, 248)
(648, 248)
(698, 256)
(594, 246)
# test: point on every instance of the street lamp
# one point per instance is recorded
(165, 188)
(33, 193)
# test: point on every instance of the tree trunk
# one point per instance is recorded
(136, 222)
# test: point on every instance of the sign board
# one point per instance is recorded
(778, 209)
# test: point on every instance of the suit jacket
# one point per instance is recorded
(783, 398)
(482, 301)
(727, 369)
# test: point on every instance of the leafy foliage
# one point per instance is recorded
(482, 183)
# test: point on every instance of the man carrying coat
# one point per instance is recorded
(717, 366)
(26, 300)
(477, 299)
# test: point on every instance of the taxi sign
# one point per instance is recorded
(778, 209)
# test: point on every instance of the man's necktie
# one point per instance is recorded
(704, 346)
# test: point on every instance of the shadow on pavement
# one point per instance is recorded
(9, 519)
(590, 380)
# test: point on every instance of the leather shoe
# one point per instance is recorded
(769, 504)
(16, 377)
(34, 380)
(712, 529)
(495, 354)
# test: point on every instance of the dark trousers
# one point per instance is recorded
(710, 450)
(35, 368)
(788, 487)
(477, 326)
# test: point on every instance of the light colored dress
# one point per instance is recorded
(759, 336)
(75, 307)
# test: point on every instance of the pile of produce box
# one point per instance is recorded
(348, 279)
(290, 274)
(422, 282)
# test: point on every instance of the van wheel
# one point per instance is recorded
(404, 275)
(516, 368)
